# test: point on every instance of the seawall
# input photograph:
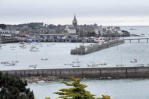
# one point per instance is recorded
(110, 72)
(82, 50)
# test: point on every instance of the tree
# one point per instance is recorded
(12, 87)
(77, 91)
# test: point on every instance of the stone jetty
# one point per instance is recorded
(82, 50)
(106, 72)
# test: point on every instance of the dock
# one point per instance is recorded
(82, 50)
(103, 72)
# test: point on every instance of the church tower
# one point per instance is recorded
(74, 23)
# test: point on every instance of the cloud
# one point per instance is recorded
(29, 10)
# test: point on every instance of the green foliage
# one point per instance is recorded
(105, 97)
(77, 91)
(47, 98)
(12, 87)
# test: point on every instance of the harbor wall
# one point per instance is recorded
(111, 72)
(82, 50)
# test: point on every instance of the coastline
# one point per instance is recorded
(36, 79)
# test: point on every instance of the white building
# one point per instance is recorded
(8, 32)
(70, 29)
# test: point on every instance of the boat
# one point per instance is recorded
(12, 63)
(23, 46)
(119, 65)
(133, 60)
(44, 59)
(4, 62)
(7, 63)
(22, 42)
(92, 65)
(104, 63)
(76, 63)
(96, 65)
(34, 49)
(33, 66)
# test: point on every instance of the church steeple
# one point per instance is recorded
(74, 22)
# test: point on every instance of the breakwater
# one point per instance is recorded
(108, 72)
(82, 50)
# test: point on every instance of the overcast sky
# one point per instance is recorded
(105, 12)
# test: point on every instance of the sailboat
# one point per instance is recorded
(44, 58)
(76, 63)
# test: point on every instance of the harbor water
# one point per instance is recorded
(57, 55)
(117, 89)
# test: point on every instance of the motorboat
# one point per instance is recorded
(4, 62)
(75, 63)
(96, 64)
(104, 63)
(33, 66)
(23, 46)
(92, 65)
(119, 65)
(44, 59)
(34, 49)
(134, 60)
(7, 63)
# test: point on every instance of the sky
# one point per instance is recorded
(101, 12)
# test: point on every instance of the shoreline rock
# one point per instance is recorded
(35, 79)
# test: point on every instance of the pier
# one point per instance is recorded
(82, 50)
(137, 39)
(107, 72)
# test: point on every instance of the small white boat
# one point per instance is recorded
(34, 49)
(96, 64)
(92, 65)
(41, 81)
(4, 62)
(134, 60)
(23, 46)
(33, 66)
(44, 59)
(104, 63)
(76, 63)
(7, 63)
(119, 65)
